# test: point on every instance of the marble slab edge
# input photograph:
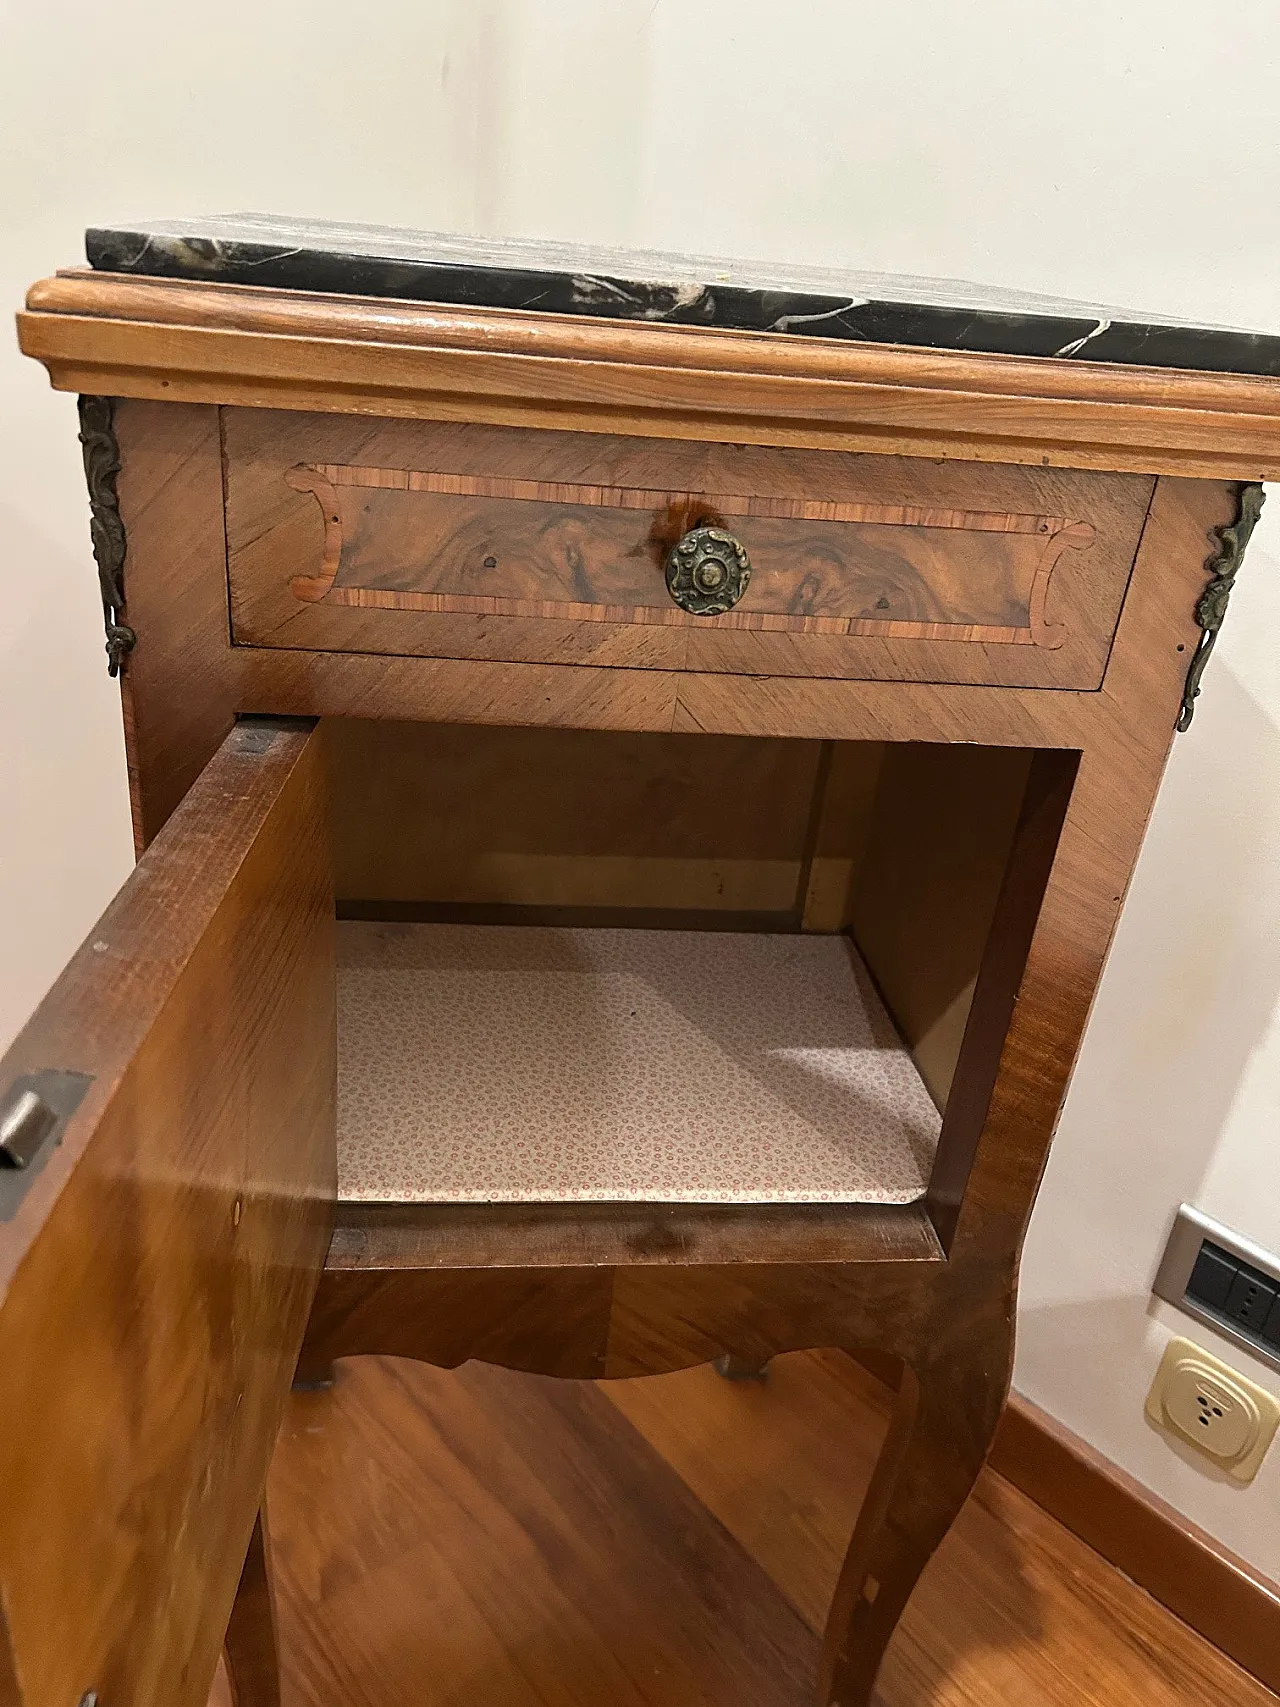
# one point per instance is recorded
(741, 307)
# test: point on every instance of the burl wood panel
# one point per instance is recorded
(157, 1276)
(409, 540)
(478, 542)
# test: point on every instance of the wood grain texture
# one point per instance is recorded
(198, 343)
(672, 1301)
(1043, 808)
(544, 1610)
(951, 1324)
(840, 829)
(950, 1398)
(1154, 1545)
(935, 850)
(949, 1321)
(1149, 1541)
(372, 1237)
(481, 542)
(10, 1689)
(179, 689)
(251, 1655)
(474, 1537)
(622, 1289)
(648, 825)
(1111, 799)
(1013, 1608)
(186, 680)
(406, 540)
(156, 1277)
(1123, 732)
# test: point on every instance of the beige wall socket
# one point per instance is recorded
(1221, 1412)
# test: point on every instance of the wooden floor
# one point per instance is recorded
(481, 1539)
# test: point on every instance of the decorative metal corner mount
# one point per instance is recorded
(101, 466)
(1211, 607)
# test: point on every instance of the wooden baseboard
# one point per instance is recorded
(1176, 1562)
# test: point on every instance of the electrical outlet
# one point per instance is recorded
(1222, 1279)
(1221, 1412)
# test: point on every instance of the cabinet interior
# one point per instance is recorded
(583, 965)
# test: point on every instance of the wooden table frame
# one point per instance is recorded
(634, 1289)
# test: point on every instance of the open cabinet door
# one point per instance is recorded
(165, 1206)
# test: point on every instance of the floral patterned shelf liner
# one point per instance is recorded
(483, 1063)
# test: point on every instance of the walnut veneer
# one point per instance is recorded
(936, 720)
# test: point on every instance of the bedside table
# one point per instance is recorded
(635, 764)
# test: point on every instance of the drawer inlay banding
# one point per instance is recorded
(406, 539)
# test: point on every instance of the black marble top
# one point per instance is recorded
(369, 260)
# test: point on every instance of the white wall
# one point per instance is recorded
(1129, 154)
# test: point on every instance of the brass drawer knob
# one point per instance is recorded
(708, 571)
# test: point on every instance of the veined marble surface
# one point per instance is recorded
(618, 284)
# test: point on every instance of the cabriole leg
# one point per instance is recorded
(253, 1661)
(942, 1427)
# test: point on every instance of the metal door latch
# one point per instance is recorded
(33, 1112)
(24, 1126)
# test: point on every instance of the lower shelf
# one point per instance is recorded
(508, 1064)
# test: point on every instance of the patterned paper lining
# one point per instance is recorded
(512, 1064)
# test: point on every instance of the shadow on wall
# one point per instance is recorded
(545, 101)
(1189, 993)
(1188, 998)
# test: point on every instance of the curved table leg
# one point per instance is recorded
(941, 1431)
(253, 1663)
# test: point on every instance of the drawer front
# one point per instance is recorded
(457, 541)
